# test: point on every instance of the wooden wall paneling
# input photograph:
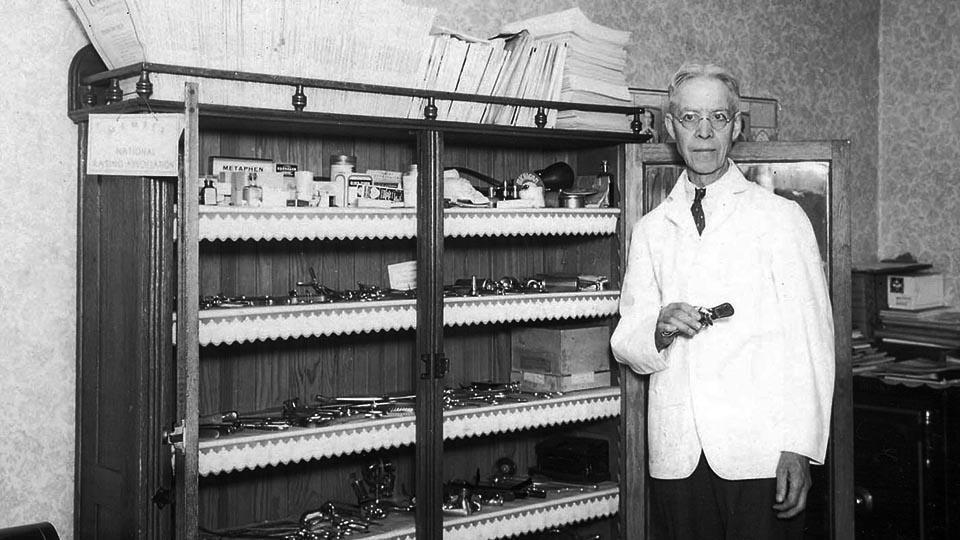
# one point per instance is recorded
(457, 264)
(88, 347)
(210, 145)
(160, 377)
(120, 234)
(124, 229)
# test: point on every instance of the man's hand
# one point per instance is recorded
(676, 318)
(793, 483)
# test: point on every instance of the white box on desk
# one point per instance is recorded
(915, 291)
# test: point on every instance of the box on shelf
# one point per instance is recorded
(356, 184)
(561, 349)
(915, 291)
(536, 381)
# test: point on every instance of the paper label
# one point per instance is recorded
(134, 144)
(219, 164)
(403, 276)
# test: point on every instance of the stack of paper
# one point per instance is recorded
(383, 42)
(935, 327)
(508, 65)
(593, 70)
(865, 356)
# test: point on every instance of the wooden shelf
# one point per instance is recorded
(241, 325)
(253, 450)
(232, 223)
(514, 518)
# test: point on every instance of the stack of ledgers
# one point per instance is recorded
(934, 327)
(594, 67)
(865, 356)
(508, 65)
(382, 42)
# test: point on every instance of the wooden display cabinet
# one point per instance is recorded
(254, 358)
(151, 361)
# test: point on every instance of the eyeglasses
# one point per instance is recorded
(691, 120)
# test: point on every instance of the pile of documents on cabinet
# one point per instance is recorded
(370, 41)
(561, 56)
(508, 65)
(593, 71)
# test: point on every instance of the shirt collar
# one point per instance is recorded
(726, 184)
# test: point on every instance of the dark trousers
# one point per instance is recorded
(704, 506)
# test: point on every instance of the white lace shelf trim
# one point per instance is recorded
(257, 450)
(518, 517)
(226, 223)
(239, 325)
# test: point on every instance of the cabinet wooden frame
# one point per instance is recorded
(432, 144)
(161, 388)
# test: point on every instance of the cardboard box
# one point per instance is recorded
(356, 183)
(534, 381)
(561, 350)
(914, 291)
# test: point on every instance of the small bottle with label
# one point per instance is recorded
(252, 193)
(208, 193)
(604, 186)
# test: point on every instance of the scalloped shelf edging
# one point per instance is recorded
(240, 325)
(519, 517)
(246, 451)
(231, 223)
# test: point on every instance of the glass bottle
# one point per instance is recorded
(252, 193)
(208, 193)
(604, 186)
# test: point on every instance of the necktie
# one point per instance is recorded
(697, 209)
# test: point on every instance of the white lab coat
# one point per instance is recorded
(750, 386)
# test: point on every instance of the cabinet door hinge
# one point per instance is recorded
(436, 365)
(162, 497)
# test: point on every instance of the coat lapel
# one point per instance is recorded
(728, 202)
(676, 209)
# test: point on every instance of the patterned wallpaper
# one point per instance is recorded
(38, 271)
(919, 107)
(818, 57)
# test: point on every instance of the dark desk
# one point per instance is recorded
(906, 461)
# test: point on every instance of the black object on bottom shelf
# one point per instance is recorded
(574, 459)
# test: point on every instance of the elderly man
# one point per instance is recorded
(737, 409)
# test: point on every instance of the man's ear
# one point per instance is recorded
(737, 125)
(668, 124)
